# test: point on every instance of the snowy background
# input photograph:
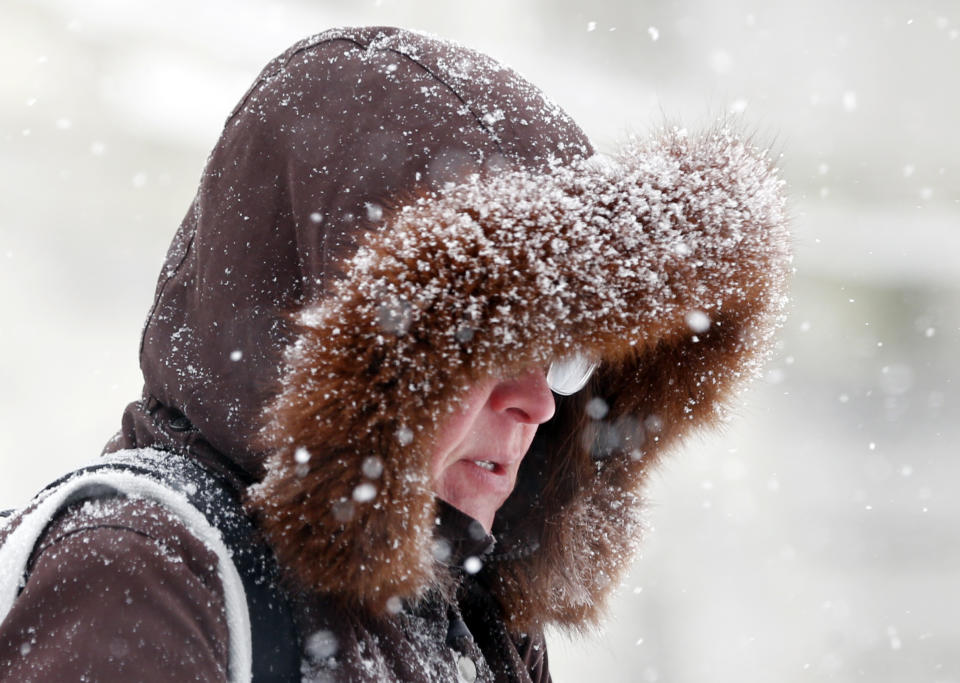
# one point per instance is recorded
(818, 537)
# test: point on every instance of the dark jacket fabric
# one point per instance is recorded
(387, 219)
(117, 590)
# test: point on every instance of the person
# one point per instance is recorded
(433, 344)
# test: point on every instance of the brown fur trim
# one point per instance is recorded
(667, 264)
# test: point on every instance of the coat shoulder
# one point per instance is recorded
(115, 586)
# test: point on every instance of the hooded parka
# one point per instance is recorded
(386, 220)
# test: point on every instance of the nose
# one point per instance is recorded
(527, 397)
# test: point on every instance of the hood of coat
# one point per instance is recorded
(331, 134)
(389, 219)
(666, 265)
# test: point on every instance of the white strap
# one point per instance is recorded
(16, 550)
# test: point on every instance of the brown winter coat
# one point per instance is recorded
(386, 219)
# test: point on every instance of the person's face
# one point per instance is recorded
(480, 446)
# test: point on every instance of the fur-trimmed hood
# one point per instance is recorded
(331, 132)
(665, 264)
(388, 219)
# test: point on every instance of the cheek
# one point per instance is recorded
(452, 433)
(458, 428)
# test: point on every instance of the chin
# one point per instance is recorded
(480, 513)
(474, 491)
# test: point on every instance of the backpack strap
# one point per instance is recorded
(263, 642)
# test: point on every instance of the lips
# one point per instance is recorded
(491, 473)
(489, 476)
(497, 464)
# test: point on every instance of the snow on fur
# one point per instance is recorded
(667, 264)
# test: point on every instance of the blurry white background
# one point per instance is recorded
(818, 537)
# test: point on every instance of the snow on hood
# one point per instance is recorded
(385, 219)
(667, 264)
(332, 132)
